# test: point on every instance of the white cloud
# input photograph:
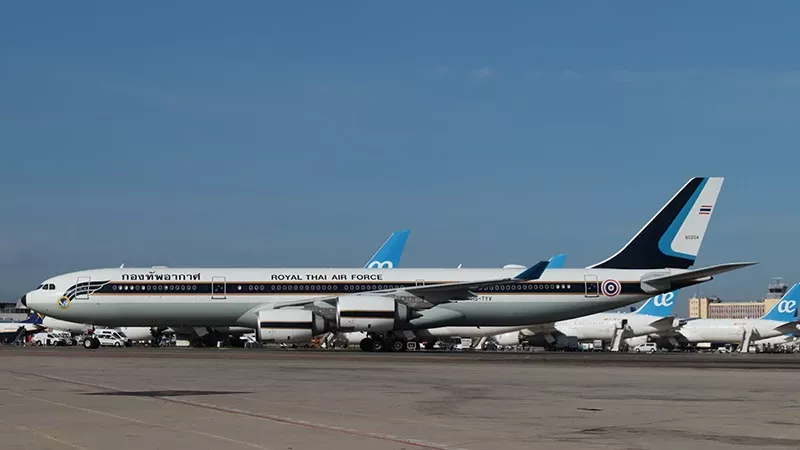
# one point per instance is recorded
(482, 73)
(571, 75)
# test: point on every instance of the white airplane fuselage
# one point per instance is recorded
(232, 297)
(732, 330)
(602, 326)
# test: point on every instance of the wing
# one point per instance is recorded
(433, 293)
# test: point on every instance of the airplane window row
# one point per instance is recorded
(157, 287)
(530, 287)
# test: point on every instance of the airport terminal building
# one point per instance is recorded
(715, 308)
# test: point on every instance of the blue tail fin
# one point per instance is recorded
(558, 261)
(786, 308)
(672, 238)
(34, 318)
(660, 306)
(390, 253)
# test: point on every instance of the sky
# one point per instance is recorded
(300, 134)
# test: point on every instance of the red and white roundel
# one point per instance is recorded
(610, 288)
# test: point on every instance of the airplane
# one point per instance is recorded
(654, 316)
(294, 304)
(781, 319)
(11, 329)
(388, 255)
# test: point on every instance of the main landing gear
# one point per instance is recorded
(383, 344)
(91, 343)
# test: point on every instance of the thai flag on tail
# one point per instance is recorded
(705, 209)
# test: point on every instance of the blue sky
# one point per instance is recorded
(289, 134)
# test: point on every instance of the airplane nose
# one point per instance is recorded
(24, 300)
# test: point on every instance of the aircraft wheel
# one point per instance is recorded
(366, 345)
(378, 345)
(398, 345)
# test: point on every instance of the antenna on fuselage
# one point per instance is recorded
(122, 265)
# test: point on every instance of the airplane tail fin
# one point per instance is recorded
(390, 253)
(34, 318)
(659, 306)
(672, 238)
(786, 308)
(558, 261)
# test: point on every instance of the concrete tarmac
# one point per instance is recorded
(175, 399)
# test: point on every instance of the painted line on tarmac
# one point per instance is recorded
(42, 434)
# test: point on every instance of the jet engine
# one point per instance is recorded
(284, 326)
(370, 313)
(506, 339)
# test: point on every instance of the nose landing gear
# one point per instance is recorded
(91, 343)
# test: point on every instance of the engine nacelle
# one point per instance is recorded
(370, 313)
(506, 339)
(288, 326)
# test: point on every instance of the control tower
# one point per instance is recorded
(777, 288)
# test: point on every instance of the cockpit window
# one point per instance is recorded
(40, 287)
(51, 287)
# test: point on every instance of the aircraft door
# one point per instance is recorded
(82, 288)
(592, 286)
(218, 288)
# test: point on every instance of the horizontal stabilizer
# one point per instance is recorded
(660, 282)
(787, 327)
(665, 323)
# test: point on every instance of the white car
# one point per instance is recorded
(47, 339)
(68, 339)
(649, 347)
(112, 338)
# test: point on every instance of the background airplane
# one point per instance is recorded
(778, 321)
(13, 329)
(655, 315)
